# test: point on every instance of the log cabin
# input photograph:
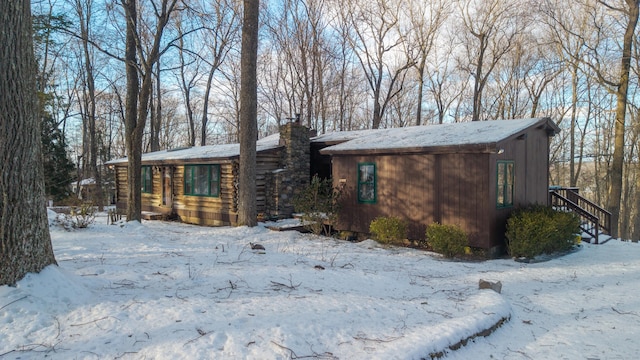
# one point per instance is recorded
(199, 185)
(471, 174)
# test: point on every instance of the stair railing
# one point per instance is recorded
(594, 219)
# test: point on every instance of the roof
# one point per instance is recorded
(337, 137)
(200, 153)
(477, 136)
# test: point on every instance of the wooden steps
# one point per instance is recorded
(148, 215)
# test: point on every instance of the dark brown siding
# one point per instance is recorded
(421, 188)
(464, 195)
(530, 154)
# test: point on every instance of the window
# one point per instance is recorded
(202, 180)
(147, 179)
(367, 183)
(504, 189)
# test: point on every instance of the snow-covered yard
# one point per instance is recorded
(161, 290)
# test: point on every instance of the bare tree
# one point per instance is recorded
(376, 44)
(488, 33)
(84, 11)
(568, 26)
(445, 86)
(621, 86)
(25, 242)
(188, 79)
(425, 19)
(603, 19)
(247, 208)
(221, 36)
(139, 94)
(155, 123)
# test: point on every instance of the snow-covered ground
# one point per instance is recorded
(161, 290)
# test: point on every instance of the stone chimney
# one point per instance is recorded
(287, 182)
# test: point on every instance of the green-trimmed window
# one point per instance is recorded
(367, 183)
(147, 179)
(202, 180)
(504, 188)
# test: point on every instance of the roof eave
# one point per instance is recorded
(485, 148)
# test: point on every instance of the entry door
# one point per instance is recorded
(167, 193)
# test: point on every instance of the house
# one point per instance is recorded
(199, 185)
(471, 174)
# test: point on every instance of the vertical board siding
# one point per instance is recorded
(414, 188)
(464, 189)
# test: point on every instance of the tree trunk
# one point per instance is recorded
(139, 95)
(205, 107)
(187, 86)
(478, 84)
(134, 144)
(25, 243)
(636, 222)
(248, 115)
(85, 21)
(420, 91)
(573, 177)
(156, 115)
(615, 187)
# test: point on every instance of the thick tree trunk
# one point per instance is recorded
(25, 243)
(617, 163)
(248, 115)
(133, 142)
(139, 96)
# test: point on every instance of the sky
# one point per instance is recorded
(166, 290)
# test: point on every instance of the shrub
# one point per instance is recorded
(319, 204)
(448, 240)
(84, 215)
(79, 217)
(540, 230)
(389, 230)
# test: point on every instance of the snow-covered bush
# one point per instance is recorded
(448, 240)
(540, 230)
(389, 230)
(79, 217)
(84, 215)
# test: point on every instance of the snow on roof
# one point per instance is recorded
(341, 136)
(443, 135)
(85, 182)
(205, 152)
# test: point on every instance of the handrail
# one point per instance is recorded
(572, 194)
(591, 223)
(603, 214)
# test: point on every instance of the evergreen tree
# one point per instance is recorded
(57, 165)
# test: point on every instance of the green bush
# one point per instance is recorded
(319, 204)
(540, 230)
(389, 230)
(448, 240)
